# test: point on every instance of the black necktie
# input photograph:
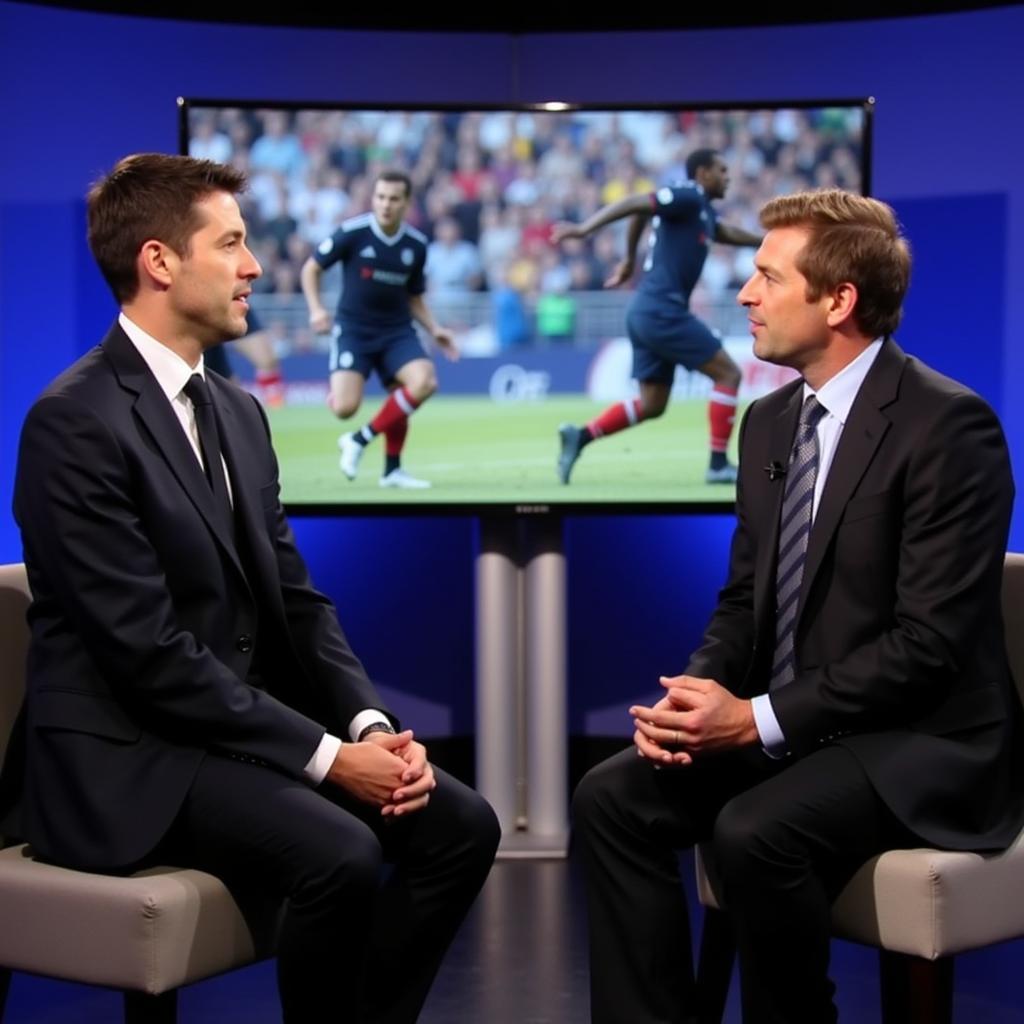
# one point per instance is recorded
(209, 440)
(794, 530)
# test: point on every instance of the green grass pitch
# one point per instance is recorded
(476, 451)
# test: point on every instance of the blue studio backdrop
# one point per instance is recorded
(79, 90)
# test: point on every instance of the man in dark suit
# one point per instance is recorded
(191, 697)
(851, 693)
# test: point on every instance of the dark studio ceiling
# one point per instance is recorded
(518, 19)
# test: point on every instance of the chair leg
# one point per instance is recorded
(915, 990)
(5, 985)
(142, 1008)
(714, 969)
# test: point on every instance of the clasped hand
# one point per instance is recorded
(389, 771)
(695, 716)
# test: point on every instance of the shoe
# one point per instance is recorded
(572, 444)
(351, 453)
(723, 475)
(399, 478)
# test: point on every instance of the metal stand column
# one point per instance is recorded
(522, 735)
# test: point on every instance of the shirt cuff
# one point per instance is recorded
(362, 720)
(772, 739)
(322, 759)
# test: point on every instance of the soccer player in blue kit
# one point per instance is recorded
(663, 331)
(382, 293)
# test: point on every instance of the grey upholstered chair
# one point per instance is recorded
(147, 934)
(918, 907)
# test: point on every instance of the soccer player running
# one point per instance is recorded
(663, 331)
(382, 293)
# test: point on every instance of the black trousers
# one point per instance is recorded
(787, 835)
(372, 903)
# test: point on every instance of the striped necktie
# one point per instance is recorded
(794, 529)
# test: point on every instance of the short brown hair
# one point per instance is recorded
(854, 239)
(149, 195)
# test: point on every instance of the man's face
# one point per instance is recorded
(211, 290)
(714, 179)
(390, 202)
(788, 329)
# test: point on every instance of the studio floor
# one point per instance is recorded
(520, 959)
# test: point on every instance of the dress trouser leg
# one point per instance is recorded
(784, 850)
(787, 835)
(629, 821)
(261, 831)
(441, 857)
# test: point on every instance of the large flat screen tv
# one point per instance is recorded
(542, 341)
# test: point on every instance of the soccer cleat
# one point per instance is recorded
(723, 475)
(351, 453)
(572, 444)
(399, 478)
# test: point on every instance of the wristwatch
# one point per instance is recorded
(375, 727)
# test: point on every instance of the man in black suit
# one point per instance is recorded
(191, 697)
(851, 693)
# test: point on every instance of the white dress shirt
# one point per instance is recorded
(836, 396)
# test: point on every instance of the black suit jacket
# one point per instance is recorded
(148, 614)
(898, 636)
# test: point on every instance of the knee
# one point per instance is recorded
(357, 861)
(464, 827)
(422, 385)
(480, 827)
(464, 837)
(740, 840)
(727, 373)
(343, 408)
(592, 800)
(731, 380)
(653, 409)
(342, 869)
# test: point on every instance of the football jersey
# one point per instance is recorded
(682, 229)
(379, 272)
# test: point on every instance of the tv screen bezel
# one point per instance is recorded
(505, 508)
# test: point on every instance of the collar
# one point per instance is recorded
(837, 394)
(170, 370)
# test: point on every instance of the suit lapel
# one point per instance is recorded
(780, 444)
(862, 435)
(164, 428)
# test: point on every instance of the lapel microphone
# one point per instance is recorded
(775, 470)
